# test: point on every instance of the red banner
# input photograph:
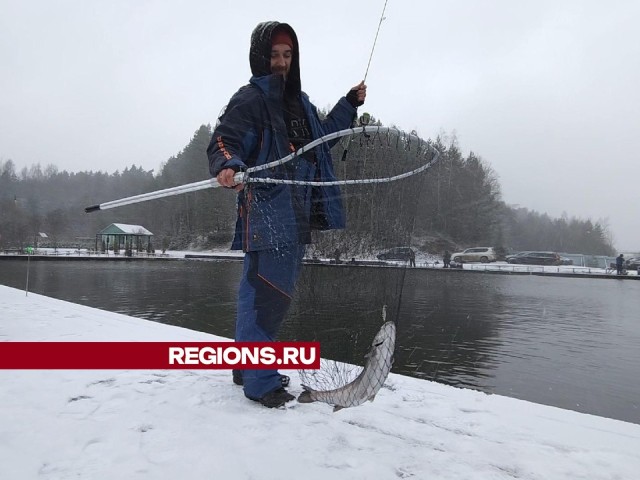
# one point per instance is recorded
(158, 355)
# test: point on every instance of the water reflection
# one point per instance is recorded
(572, 343)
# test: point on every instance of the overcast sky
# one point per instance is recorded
(547, 92)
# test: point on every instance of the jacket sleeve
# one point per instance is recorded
(235, 136)
(340, 117)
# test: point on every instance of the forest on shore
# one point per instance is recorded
(454, 204)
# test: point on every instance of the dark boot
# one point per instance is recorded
(237, 378)
(276, 398)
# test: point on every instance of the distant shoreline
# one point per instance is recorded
(496, 269)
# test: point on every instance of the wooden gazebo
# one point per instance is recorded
(118, 235)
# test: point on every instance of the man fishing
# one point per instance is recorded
(264, 121)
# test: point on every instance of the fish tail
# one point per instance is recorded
(305, 397)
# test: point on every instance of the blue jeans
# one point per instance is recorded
(264, 296)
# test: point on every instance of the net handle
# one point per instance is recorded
(243, 177)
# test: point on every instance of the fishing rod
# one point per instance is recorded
(402, 139)
(382, 17)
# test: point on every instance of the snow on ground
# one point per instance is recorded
(133, 424)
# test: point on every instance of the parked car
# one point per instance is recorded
(397, 253)
(632, 263)
(515, 256)
(536, 258)
(475, 254)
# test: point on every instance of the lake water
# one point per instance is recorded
(568, 342)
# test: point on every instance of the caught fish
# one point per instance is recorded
(366, 385)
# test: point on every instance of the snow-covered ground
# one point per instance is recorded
(133, 424)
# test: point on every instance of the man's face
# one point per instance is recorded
(281, 59)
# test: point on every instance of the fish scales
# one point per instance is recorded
(367, 384)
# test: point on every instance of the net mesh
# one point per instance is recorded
(344, 285)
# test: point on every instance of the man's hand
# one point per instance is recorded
(225, 179)
(357, 95)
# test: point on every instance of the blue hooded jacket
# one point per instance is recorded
(252, 132)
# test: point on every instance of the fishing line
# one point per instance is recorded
(382, 17)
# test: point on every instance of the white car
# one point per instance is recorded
(475, 254)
